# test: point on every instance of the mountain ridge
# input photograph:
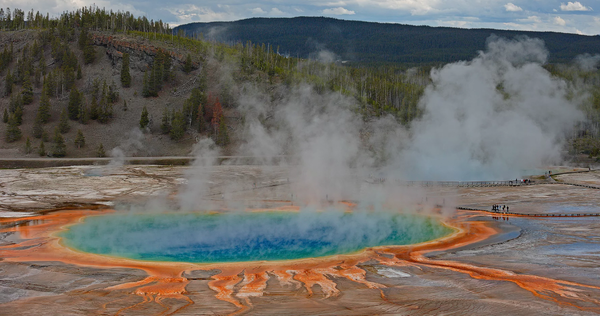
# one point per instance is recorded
(376, 42)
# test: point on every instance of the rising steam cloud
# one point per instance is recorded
(491, 118)
(486, 119)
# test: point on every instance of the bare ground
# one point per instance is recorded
(563, 249)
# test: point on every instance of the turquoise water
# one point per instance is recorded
(249, 236)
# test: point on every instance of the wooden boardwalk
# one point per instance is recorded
(530, 215)
(578, 185)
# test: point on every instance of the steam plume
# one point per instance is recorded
(490, 118)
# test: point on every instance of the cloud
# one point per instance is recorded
(191, 13)
(332, 4)
(422, 7)
(276, 11)
(512, 25)
(512, 8)
(574, 6)
(581, 24)
(258, 11)
(531, 19)
(338, 11)
(558, 21)
(454, 23)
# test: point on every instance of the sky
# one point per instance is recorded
(581, 17)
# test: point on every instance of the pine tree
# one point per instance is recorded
(42, 149)
(208, 109)
(165, 126)
(5, 116)
(49, 85)
(125, 75)
(89, 54)
(166, 67)
(152, 84)
(177, 126)
(42, 65)
(158, 77)
(222, 135)
(28, 148)
(83, 38)
(146, 86)
(113, 93)
(8, 84)
(217, 115)
(158, 66)
(44, 107)
(60, 149)
(187, 67)
(197, 99)
(37, 77)
(105, 111)
(84, 114)
(85, 44)
(125, 105)
(201, 122)
(74, 104)
(18, 113)
(15, 108)
(13, 132)
(69, 77)
(79, 74)
(79, 139)
(94, 111)
(63, 125)
(144, 120)
(100, 151)
(27, 93)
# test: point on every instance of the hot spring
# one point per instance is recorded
(246, 236)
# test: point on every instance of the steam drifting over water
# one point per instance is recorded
(247, 236)
(486, 119)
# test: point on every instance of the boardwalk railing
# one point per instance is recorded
(578, 185)
(530, 215)
(454, 183)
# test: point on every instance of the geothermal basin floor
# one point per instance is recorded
(531, 266)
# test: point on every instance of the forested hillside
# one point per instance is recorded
(94, 82)
(83, 84)
(375, 43)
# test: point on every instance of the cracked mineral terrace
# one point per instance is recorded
(494, 264)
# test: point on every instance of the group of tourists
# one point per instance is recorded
(503, 209)
(522, 181)
(500, 208)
